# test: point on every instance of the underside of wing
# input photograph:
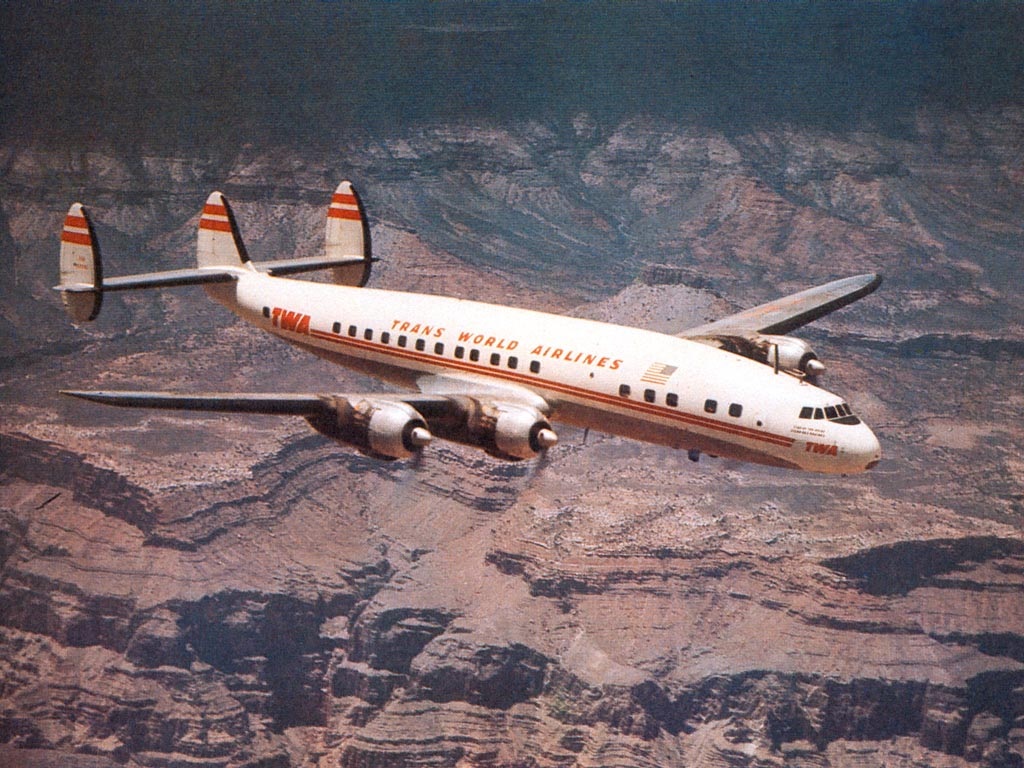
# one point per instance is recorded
(790, 312)
(222, 402)
(384, 425)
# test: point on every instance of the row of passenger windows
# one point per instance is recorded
(512, 362)
(672, 401)
(420, 345)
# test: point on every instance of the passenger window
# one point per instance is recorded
(368, 334)
(819, 414)
(710, 406)
(495, 358)
(460, 352)
(402, 341)
(385, 337)
(266, 313)
(336, 328)
(623, 390)
(806, 412)
(672, 400)
(649, 396)
(474, 355)
(352, 330)
(535, 366)
(735, 410)
(439, 348)
(513, 362)
(420, 345)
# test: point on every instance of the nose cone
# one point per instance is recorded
(867, 452)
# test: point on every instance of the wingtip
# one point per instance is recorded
(872, 281)
(75, 393)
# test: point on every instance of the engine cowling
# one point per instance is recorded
(783, 353)
(789, 353)
(384, 429)
(504, 430)
(522, 432)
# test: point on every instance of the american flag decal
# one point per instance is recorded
(658, 373)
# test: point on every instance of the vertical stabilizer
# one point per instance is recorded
(81, 271)
(348, 235)
(219, 243)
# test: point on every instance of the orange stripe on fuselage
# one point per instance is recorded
(568, 389)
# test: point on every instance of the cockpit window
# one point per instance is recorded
(838, 414)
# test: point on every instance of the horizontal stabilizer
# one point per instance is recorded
(168, 279)
(793, 311)
(296, 266)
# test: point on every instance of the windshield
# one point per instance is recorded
(839, 414)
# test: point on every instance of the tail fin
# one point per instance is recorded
(348, 236)
(220, 255)
(81, 270)
(219, 243)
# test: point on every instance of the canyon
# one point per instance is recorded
(183, 591)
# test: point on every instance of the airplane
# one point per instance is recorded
(496, 377)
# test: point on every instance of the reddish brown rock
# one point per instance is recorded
(241, 592)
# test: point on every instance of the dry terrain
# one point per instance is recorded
(201, 592)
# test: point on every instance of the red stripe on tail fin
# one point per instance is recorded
(78, 238)
(215, 225)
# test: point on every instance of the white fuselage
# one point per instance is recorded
(626, 381)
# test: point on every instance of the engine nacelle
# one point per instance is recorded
(522, 432)
(788, 353)
(783, 353)
(384, 429)
(504, 430)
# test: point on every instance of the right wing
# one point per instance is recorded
(791, 312)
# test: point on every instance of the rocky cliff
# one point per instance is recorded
(214, 591)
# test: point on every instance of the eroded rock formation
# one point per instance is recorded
(241, 592)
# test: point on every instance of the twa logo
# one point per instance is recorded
(296, 322)
(823, 448)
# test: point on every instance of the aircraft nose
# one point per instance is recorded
(869, 450)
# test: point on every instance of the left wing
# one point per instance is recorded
(790, 312)
(389, 426)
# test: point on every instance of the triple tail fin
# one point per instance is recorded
(81, 270)
(220, 254)
(348, 237)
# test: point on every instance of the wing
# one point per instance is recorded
(506, 422)
(274, 403)
(790, 312)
